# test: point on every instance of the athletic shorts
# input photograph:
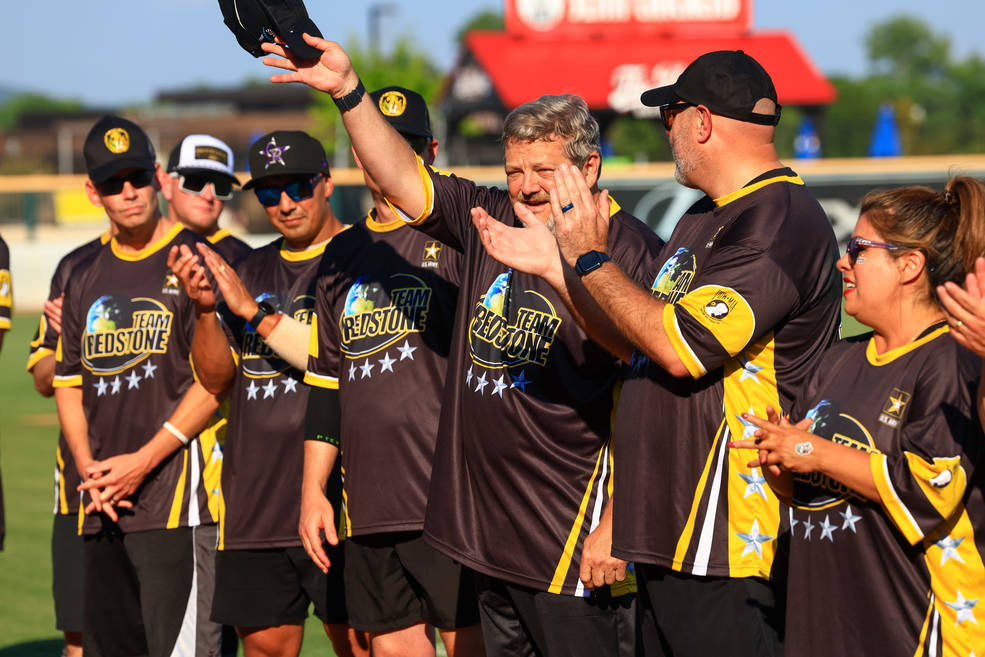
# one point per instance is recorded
(721, 616)
(395, 580)
(275, 586)
(520, 622)
(139, 586)
(67, 572)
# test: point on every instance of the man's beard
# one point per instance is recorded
(686, 160)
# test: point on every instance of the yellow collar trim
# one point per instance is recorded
(891, 355)
(749, 189)
(377, 227)
(614, 207)
(148, 250)
(220, 234)
(106, 236)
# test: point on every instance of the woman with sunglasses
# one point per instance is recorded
(881, 471)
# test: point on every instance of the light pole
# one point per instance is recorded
(376, 12)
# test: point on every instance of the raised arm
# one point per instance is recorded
(384, 154)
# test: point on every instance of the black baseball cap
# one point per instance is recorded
(728, 82)
(285, 153)
(254, 22)
(202, 154)
(113, 144)
(404, 109)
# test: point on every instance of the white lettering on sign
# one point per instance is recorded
(600, 11)
(686, 10)
(629, 81)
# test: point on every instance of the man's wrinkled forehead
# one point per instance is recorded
(536, 150)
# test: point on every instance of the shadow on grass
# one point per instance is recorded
(37, 648)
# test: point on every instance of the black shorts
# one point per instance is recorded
(137, 591)
(722, 616)
(67, 572)
(395, 580)
(264, 588)
(519, 622)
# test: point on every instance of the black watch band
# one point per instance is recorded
(588, 262)
(351, 99)
(263, 309)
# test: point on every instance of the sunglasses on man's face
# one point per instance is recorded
(137, 179)
(296, 190)
(858, 244)
(194, 183)
(668, 113)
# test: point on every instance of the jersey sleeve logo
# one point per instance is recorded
(511, 328)
(121, 332)
(674, 278)
(376, 315)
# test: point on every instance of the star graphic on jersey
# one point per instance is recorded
(269, 389)
(290, 385)
(252, 390)
(827, 529)
(100, 387)
(116, 383)
(949, 549)
(481, 383)
(387, 363)
(896, 405)
(133, 380)
(793, 521)
(749, 370)
(406, 351)
(216, 453)
(500, 384)
(808, 528)
(750, 429)
(964, 608)
(520, 381)
(468, 377)
(849, 519)
(367, 369)
(754, 483)
(431, 250)
(171, 280)
(753, 540)
(352, 372)
(149, 370)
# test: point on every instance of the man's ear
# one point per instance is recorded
(93, 195)
(702, 123)
(591, 169)
(329, 187)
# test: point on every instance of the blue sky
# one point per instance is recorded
(109, 52)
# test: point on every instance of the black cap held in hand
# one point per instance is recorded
(728, 82)
(285, 153)
(404, 109)
(254, 22)
(114, 144)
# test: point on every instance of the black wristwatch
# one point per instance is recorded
(588, 262)
(263, 309)
(351, 99)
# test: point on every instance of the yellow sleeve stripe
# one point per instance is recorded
(37, 355)
(943, 482)
(428, 186)
(313, 337)
(4, 323)
(174, 517)
(685, 539)
(680, 345)
(62, 498)
(68, 381)
(564, 564)
(891, 502)
(58, 350)
(319, 381)
(42, 327)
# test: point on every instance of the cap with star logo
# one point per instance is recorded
(285, 153)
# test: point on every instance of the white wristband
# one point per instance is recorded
(174, 431)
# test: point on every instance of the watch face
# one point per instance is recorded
(590, 261)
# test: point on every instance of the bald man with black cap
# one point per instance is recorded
(376, 395)
(744, 299)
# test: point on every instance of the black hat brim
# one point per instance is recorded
(106, 171)
(660, 96)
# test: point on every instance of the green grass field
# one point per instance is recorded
(28, 433)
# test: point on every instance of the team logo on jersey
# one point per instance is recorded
(117, 140)
(816, 490)
(121, 332)
(274, 153)
(432, 249)
(892, 410)
(393, 103)
(376, 315)
(675, 276)
(260, 361)
(512, 327)
(171, 285)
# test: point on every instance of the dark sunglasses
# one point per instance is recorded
(194, 183)
(668, 113)
(137, 179)
(297, 190)
(858, 244)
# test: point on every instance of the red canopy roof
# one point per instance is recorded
(611, 73)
